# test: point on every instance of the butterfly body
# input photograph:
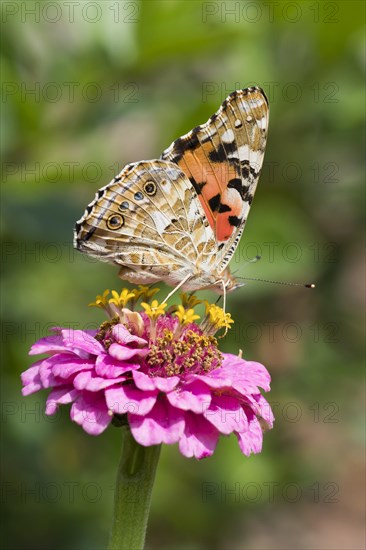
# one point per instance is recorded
(179, 219)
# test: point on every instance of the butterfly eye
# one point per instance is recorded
(150, 188)
(115, 222)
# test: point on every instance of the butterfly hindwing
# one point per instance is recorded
(222, 159)
(148, 218)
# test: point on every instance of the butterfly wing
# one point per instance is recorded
(149, 220)
(223, 159)
(181, 217)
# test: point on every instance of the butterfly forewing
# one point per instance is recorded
(222, 159)
(145, 218)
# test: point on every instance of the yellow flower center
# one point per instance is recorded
(193, 352)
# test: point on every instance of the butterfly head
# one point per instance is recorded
(221, 283)
(230, 282)
(234, 286)
(226, 280)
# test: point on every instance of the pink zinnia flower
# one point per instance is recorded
(159, 372)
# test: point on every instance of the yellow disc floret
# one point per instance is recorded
(189, 300)
(216, 318)
(186, 316)
(154, 310)
(145, 292)
(122, 299)
(101, 300)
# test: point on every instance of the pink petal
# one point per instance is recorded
(163, 424)
(123, 336)
(145, 382)
(199, 438)
(48, 379)
(165, 384)
(123, 353)
(65, 365)
(80, 340)
(126, 399)
(226, 414)
(49, 344)
(39, 376)
(31, 380)
(91, 413)
(263, 409)
(216, 379)
(250, 440)
(194, 397)
(107, 367)
(246, 376)
(61, 396)
(87, 381)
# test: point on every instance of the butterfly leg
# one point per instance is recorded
(177, 287)
(224, 305)
(224, 297)
(218, 299)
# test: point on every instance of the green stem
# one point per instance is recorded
(135, 479)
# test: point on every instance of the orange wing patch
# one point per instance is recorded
(223, 157)
(211, 180)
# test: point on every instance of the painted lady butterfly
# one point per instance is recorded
(179, 219)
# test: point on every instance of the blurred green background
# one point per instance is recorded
(90, 86)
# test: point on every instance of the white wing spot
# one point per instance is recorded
(244, 152)
(256, 102)
(228, 136)
(249, 118)
(262, 123)
(160, 221)
(237, 123)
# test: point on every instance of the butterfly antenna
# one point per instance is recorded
(224, 297)
(309, 285)
(251, 261)
(224, 307)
